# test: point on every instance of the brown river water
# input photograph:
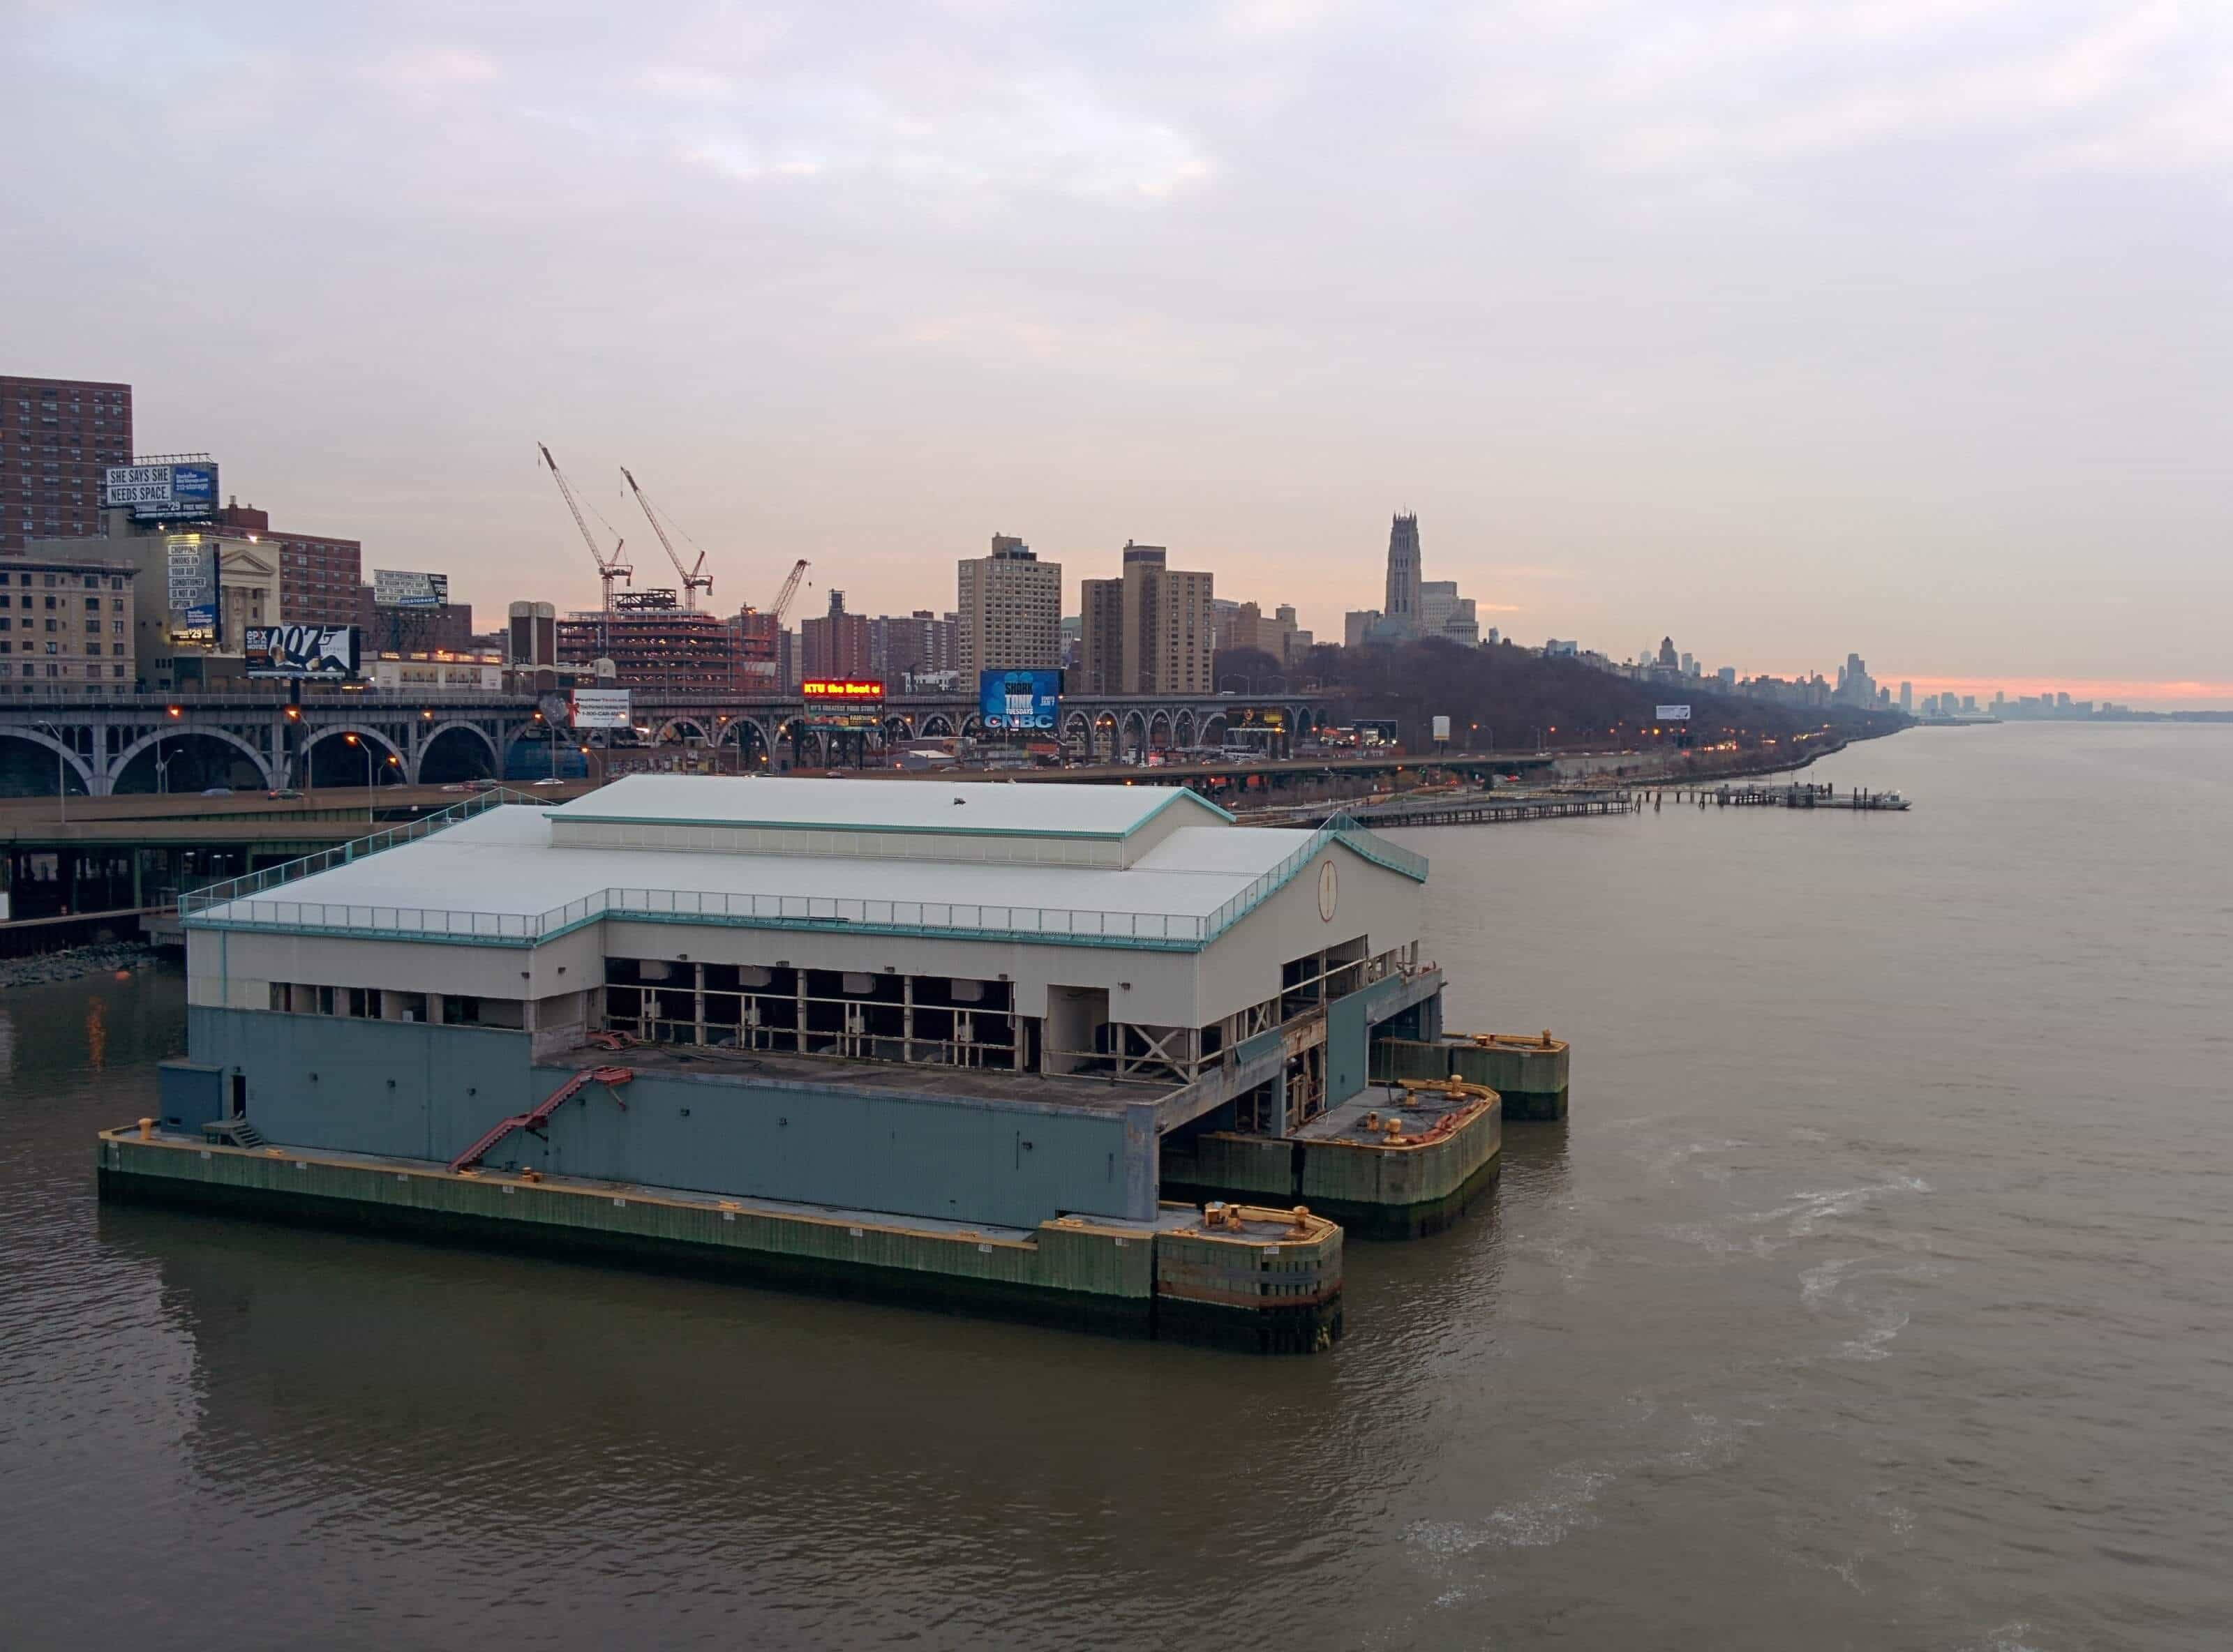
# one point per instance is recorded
(1879, 1294)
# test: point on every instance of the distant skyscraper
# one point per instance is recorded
(1855, 686)
(1668, 657)
(1400, 609)
(1907, 697)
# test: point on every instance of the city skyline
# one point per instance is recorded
(1653, 357)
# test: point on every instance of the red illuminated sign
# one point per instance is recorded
(854, 689)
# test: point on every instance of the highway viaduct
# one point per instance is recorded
(128, 743)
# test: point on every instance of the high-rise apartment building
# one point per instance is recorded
(914, 646)
(834, 644)
(57, 435)
(1009, 615)
(66, 627)
(1148, 631)
(1100, 638)
(1245, 624)
(1400, 609)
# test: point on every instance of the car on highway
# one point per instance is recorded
(216, 791)
(278, 792)
(547, 780)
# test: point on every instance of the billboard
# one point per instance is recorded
(1019, 699)
(190, 587)
(156, 492)
(394, 590)
(1442, 729)
(1673, 714)
(602, 708)
(842, 691)
(327, 653)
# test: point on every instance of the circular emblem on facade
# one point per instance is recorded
(1329, 887)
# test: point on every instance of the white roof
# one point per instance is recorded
(959, 806)
(503, 862)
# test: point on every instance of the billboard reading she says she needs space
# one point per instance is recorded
(154, 493)
(1673, 714)
(1023, 700)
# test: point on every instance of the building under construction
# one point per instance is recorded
(657, 646)
(656, 642)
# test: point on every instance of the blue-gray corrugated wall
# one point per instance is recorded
(418, 1091)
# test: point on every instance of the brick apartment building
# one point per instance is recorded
(320, 574)
(56, 436)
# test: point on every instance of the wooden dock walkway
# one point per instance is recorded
(1459, 809)
(1488, 809)
(1796, 794)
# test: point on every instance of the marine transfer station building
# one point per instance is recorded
(977, 1003)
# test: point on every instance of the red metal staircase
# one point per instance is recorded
(610, 1077)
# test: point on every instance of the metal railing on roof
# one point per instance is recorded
(233, 905)
(974, 919)
(254, 883)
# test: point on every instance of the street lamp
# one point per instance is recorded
(351, 739)
(162, 763)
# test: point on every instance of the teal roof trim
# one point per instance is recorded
(1339, 829)
(943, 828)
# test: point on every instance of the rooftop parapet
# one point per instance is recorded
(1063, 825)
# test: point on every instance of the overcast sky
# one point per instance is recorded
(1789, 330)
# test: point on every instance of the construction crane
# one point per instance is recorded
(608, 568)
(790, 589)
(693, 581)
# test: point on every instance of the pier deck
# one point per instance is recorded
(1264, 1280)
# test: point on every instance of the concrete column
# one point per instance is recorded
(1278, 1124)
(698, 999)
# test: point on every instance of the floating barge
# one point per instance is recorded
(961, 1045)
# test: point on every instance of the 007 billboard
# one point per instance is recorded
(1019, 700)
(325, 653)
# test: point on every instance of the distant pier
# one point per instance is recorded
(1796, 794)
(1459, 809)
